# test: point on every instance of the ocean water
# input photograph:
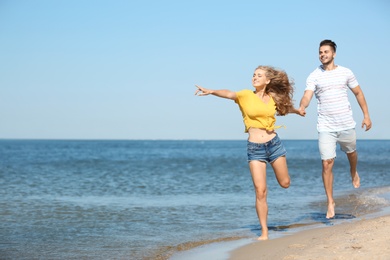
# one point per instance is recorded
(62, 199)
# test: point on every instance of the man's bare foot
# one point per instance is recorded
(330, 213)
(355, 180)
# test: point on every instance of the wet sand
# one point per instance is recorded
(359, 239)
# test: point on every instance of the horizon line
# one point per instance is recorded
(162, 139)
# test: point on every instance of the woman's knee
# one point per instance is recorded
(285, 183)
(261, 194)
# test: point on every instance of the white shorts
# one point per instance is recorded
(327, 142)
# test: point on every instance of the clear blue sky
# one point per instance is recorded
(126, 69)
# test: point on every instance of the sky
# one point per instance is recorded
(110, 69)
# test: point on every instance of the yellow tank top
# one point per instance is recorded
(255, 112)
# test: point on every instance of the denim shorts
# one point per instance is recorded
(327, 142)
(266, 152)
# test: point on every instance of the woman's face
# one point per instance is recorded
(259, 79)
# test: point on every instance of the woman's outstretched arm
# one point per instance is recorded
(223, 93)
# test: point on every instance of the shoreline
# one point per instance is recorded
(367, 230)
(365, 238)
(359, 239)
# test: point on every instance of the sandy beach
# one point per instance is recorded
(360, 239)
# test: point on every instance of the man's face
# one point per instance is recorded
(326, 54)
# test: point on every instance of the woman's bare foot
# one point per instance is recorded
(264, 235)
(330, 213)
(355, 180)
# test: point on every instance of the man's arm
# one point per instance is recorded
(358, 92)
(305, 101)
(293, 110)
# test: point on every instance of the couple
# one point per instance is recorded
(273, 95)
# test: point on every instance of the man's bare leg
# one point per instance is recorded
(327, 178)
(353, 158)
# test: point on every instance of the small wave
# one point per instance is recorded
(166, 252)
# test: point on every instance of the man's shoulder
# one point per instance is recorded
(320, 70)
(316, 71)
(344, 69)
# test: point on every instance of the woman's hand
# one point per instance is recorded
(202, 91)
(222, 93)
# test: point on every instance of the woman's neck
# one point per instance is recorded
(260, 92)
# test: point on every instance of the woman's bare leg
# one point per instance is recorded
(281, 172)
(259, 178)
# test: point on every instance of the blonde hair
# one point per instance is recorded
(280, 87)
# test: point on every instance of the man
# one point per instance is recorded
(330, 83)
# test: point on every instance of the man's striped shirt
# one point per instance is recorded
(333, 107)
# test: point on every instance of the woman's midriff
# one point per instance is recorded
(260, 135)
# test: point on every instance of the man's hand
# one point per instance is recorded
(367, 122)
(302, 111)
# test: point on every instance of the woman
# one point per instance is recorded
(272, 95)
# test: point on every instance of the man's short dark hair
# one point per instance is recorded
(329, 43)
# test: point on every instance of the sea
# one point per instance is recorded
(159, 199)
